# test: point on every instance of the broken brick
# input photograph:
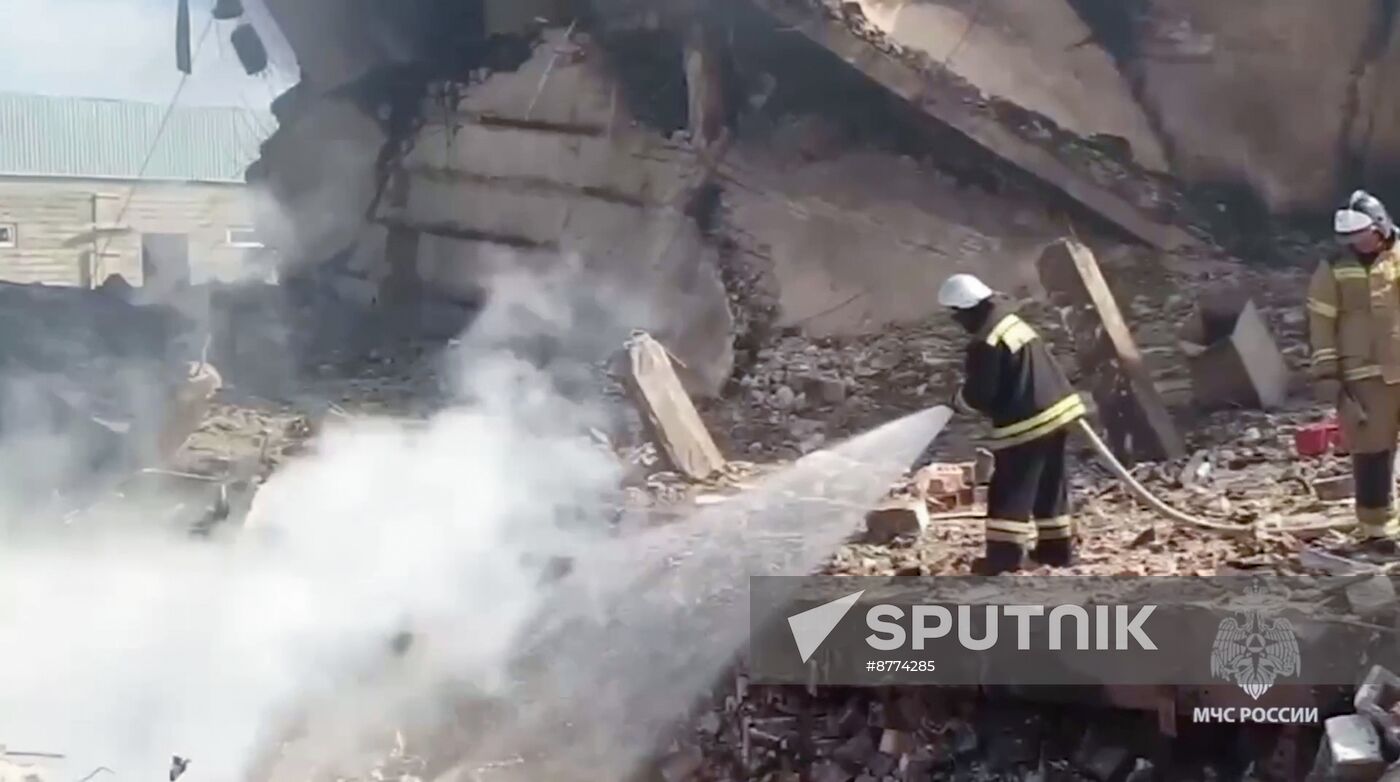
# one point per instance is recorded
(939, 479)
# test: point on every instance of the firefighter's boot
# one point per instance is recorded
(1375, 511)
(1004, 557)
(1054, 553)
(1054, 542)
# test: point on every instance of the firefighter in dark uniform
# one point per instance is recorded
(1012, 378)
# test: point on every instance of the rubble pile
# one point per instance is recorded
(801, 394)
(787, 734)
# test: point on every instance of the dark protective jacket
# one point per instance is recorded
(1012, 378)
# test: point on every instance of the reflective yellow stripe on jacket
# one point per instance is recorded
(1012, 332)
(1045, 422)
(1361, 373)
(1353, 316)
(1322, 308)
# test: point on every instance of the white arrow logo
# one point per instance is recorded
(812, 626)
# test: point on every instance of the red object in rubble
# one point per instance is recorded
(1318, 439)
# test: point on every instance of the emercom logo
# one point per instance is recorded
(812, 626)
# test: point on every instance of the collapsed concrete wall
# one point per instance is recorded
(862, 240)
(523, 169)
(1039, 55)
(547, 162)
(1258, 97)
(1195, 88)
(822, 191)
(1276, 98)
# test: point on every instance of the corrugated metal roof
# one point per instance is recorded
(109, 139)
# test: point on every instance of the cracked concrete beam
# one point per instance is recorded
(944, 104)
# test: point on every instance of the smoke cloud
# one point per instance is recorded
(403, 579)
(126, 648)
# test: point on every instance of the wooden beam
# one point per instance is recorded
(1138, 424)
(936, 96)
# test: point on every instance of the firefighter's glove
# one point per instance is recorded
(958, 404)
(1328, 391)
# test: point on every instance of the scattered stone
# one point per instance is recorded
(965, 739)
(917, 766)
(896, 742)
(848, 719)
(682, 765)
(1373, 597)
(1350, 750)
(983, 467)
(896, 519)
(784, 398)
(709, 723)
(1143, 771)
(1341, 487)
(1377, 699)
(829, 390)
(882, 765)
(1103, 760)
(857, 750)
(1197, 469)
(828, 771)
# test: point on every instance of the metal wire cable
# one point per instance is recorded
(155, 142)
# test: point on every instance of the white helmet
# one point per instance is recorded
(963, 292)
(1362, 212)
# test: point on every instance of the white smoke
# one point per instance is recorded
(269, 655)
(123, 650)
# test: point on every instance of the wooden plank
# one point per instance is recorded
(669, 412)
(1130, 407)
(944, 104)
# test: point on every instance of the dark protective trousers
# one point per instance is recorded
(1375, 479)
(1372, 443)
(1028, 500)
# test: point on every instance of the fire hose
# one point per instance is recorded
(1175, 515)
(1148, 498)
(1155, 503)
